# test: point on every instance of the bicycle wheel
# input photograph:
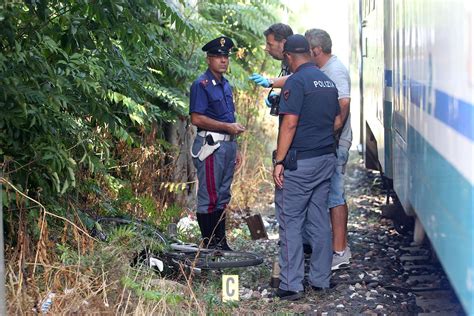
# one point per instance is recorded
(185, 247)
(217, 259)
(107, 224)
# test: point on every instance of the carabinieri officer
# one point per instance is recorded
(214, 150)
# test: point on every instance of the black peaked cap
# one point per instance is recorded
(296, 44)
(219, 46)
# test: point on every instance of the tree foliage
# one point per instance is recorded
(83, 80)
(88, 91)
(78, 76)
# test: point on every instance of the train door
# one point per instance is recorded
(373, 83)
(355, 66)
(387, 93)
(400, 88)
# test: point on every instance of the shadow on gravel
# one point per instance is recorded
(386, 275)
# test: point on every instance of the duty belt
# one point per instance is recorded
(217, 137)
(315, 152)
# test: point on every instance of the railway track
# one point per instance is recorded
(426, 279)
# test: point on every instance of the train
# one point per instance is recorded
(412, 66)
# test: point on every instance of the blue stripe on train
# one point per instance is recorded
(443, 200)
(463, 118)
(387, 125)
(454, 112)
(388, 78)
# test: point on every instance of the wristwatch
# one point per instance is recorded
(277, 162)
(270, 83)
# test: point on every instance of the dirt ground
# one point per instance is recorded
(376, 281)
(380, 280)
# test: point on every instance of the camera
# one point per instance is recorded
(274, 100)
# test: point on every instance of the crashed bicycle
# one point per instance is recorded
(170, 253)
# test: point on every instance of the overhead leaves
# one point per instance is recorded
(79, 77)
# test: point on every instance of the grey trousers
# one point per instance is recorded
(302, 203)
(215, 175)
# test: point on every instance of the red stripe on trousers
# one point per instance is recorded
(211, 184)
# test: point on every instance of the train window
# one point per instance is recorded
(366, 7)
(369, 6)
(364, 47)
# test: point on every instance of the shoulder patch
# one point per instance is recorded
(204, 82)
(286, 94)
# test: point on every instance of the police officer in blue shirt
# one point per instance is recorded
(303, 165)
(214, 151)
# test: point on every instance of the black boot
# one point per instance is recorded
(221, 240)
(206, 225)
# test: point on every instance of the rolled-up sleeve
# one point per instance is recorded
(343, 83)
(198, 100)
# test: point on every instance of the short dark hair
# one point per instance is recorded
(279, 30)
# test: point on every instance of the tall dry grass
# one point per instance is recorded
(253, 181)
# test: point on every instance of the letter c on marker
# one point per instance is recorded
(230, 292)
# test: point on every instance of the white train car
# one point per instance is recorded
(416, 72)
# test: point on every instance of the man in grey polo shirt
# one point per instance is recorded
(304, 162)
(321, 46)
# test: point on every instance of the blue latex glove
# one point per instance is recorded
(267, 102)
(260, 80)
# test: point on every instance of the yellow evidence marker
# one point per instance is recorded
(230, 288)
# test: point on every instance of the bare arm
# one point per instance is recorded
(344, 104)
(338, 123)
(279, 82)
(286, 134)
(209, 124)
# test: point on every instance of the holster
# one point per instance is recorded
(291, 161)
(208, 148)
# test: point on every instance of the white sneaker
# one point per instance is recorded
(349, 253)
(341, 261)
